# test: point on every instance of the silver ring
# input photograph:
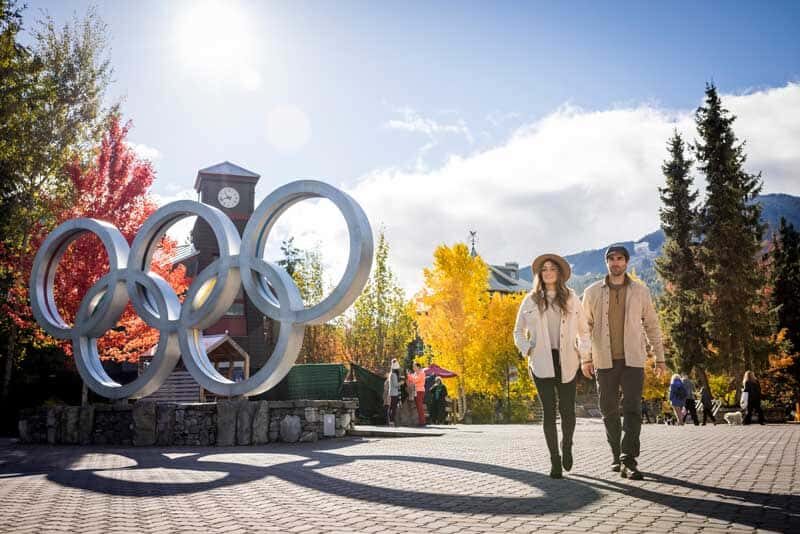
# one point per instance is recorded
(210, 294)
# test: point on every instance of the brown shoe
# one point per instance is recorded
(631, 473)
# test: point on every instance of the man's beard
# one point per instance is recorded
(617, 271)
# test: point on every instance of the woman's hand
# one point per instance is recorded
(587, 369)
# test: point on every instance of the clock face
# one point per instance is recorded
(228, 197)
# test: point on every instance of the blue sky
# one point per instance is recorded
(397, 102)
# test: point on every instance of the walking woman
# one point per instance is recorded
(392, 392)
(677, 398)
(753, 389)
(551, 332)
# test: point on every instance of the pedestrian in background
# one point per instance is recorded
(438, 395)
(677, 398)
(753, 390)
(392, 392)
(689, 404)
(645, 411)
(708, 407)
(418, 379)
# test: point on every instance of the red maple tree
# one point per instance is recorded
(113, 187)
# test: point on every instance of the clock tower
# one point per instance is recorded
(231, 189)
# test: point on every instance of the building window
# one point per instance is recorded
(236, 310)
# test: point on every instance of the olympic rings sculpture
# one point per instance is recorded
(211, 293)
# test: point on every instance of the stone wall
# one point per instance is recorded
(224, 423)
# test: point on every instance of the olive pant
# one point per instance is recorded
(549, 389)
(623, 438)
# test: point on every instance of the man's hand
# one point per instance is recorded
(587, 369)
(661, 368)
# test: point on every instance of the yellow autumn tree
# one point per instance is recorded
(498, 370)
(469, 330)
(455, 301)
(496, 358)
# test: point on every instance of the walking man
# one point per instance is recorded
(623, 323)
(708, 406)
(691, 407)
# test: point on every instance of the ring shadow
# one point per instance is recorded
(757, 509)
(550, 496)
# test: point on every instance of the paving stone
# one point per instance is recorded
(471, 479)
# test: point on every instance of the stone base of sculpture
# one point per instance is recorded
(222, 424)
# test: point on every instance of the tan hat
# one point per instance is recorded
(566, 272)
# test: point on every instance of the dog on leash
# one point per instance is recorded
(733, 418)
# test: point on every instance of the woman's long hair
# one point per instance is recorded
(540, 295)
(749, 377)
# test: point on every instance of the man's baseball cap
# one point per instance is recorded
(618, 249)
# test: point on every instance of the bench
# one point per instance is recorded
(716, 404)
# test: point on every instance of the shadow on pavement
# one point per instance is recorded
(546, 496)
(756, 509)
(182, 471)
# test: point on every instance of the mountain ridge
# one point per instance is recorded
(589, 265)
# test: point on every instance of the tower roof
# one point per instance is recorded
(228, 170)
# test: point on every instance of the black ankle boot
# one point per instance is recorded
(555, 467)
(566, 456)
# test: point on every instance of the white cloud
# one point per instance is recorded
(180, 230)
(412, 121)
(574, 180)
(769, 122)
(145, 152)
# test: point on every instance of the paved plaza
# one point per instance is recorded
(470, 479)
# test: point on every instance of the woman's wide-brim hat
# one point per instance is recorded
(563, 266)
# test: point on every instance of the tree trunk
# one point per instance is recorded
(11, 354)
(701, 373)
(737, 387)
(462, 400)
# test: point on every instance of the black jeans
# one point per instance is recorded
(691, 409)
(708, 414)
(392, 412)
(752, 408)
(549, 389)
(623, 438)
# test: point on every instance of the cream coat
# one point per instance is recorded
(532, 339)
(641, 325)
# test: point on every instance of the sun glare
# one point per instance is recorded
(215, 40)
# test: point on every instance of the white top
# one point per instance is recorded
(553, 315)
(532, 338)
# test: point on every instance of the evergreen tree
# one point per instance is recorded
(732, 234)
(786, 282)
(292, 256)
(681, 306)
(784, 373)
(321, 342)
(381, 325)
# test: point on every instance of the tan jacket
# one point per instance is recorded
(530, 332)
(641, 325)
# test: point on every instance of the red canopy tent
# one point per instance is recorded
(439, 371)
